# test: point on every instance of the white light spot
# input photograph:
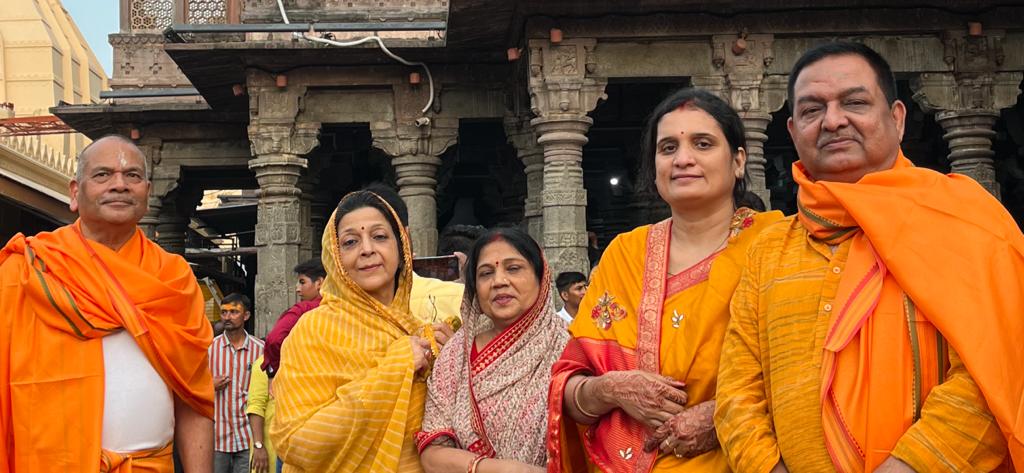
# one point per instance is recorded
(614, 181)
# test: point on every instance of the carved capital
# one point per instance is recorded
(967, 54)
(292, 138)
(278, 174)
(948, 91)
(563, 77)
(432, 139)
(740, 65)
(521, 135)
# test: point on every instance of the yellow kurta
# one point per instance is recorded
(260, 403)
(769, 384)
(690, 324)
(348, 398)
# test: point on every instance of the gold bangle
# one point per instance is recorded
(576, 399)
(476, 461)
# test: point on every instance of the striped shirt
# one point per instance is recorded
(231, 430)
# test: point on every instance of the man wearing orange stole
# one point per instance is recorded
(878, 329)
(103, 338)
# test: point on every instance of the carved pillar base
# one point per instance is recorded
(969, 134)
(564, 198)
(756, 123)
(278, 234)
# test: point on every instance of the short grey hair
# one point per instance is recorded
(83, 155)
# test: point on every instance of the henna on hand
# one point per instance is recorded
(649, 398)
(691, 432)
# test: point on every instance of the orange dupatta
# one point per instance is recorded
(636, 316)
(61, 295)
(933, 263)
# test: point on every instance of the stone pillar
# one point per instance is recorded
(172, 226)
(279, 161)
(563, 89)
(740, 78)
(967, 101)
(416, 152)
(306, 186)
(320, 210)
(969, 134)
(163, 180)
(521, 135)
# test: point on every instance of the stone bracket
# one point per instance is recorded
(403, 140)
(562, 77)
(936, 91)
(292, 138)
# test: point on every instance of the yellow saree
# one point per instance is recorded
(348, 399)
(637, 316)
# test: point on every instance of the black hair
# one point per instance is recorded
(312, 269)
(364, 198)
(566, 280)
(727, 118)
(886, 81)
(236, 298)
(751, 201)
(391, 196)
(458, 238)
(519, 239)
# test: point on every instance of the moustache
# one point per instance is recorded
(826, 139)
(117, 201)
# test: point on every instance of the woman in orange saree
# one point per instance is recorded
(634, 389)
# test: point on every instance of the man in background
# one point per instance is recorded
(572, 286)
(232, 355)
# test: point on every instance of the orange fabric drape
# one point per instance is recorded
(60, 294)
(636, 316)
(153, 461)
(926, 247)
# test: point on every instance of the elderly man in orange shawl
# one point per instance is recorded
(880, 328)
(103, 338)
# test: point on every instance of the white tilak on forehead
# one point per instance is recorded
(121, 159)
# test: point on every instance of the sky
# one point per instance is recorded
(96, 19)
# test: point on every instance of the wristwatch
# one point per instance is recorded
(258, 445)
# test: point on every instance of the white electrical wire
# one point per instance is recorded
(375, 38)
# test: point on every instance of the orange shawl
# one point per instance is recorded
(636, 316)
(60, 294)
(925, 248)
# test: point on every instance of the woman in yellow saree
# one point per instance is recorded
(634, 389)
(350, 389)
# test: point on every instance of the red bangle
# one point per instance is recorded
(476, 461)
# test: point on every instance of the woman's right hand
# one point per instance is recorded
(421, 353)
(651, 399)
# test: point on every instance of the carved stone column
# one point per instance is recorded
(278, 165)
(740, 65)
(163, 179)
(521, 135)
(967, 101)
(172, 226)
(319, 210)
(970, 134)
(416, 152)
(562, 91)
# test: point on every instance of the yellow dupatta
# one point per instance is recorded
(348, 399)
(636, 316)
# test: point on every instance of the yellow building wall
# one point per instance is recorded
(45, 60)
